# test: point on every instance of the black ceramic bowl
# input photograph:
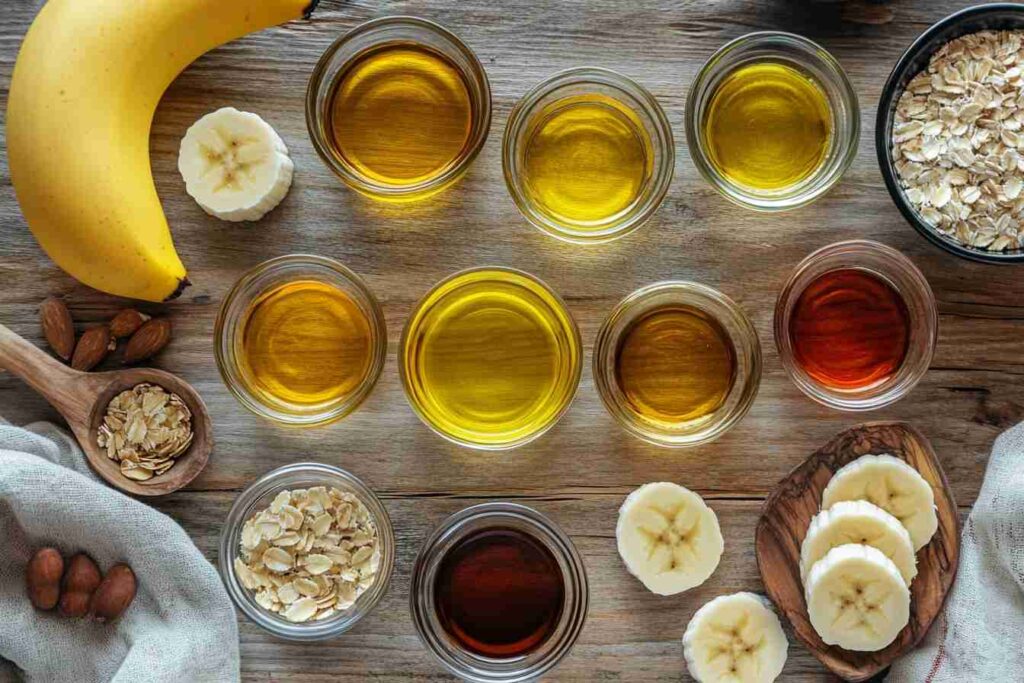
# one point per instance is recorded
(999, 16)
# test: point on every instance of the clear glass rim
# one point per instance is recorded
(634, 95)
(912, 286)
(844, 146)
(477, 668)
(297, 475)
(476, 81)
(407, 390)
(742, 333)
(229, 320)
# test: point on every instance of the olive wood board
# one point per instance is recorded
(788, 511)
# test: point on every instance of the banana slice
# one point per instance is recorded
(735, 638)
(856, 598)
(892, 485)
(668, 537)
(235, 165)
(858, 521)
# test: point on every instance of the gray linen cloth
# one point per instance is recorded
(181, 626)
(980, 634)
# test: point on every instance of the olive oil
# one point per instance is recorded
(675, 364)
(490, 358)
(304, 343)
(768, 126)
(401, 114)
(587, 159)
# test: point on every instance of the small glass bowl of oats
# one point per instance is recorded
(949, 133)
(307, 551)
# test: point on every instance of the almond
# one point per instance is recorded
(148, 340)
(81, 578)
(126, 322)
(114, 594)
(42, 577)
(92, 347)
(58, 328)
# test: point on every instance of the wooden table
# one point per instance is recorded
(580, 471)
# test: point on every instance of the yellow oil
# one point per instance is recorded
(305, 343)
(586, 160)
(491, 358)
(675, 364)
(767, 127)
(401, 114)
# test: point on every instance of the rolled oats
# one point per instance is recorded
(310, 554)
(144, 429)
(958, 144)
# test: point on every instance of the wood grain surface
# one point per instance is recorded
(787, 515)
(579, 472)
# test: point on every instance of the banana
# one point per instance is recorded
(87, 80)
(235, 165)
(735, 638)
(856, 598)
(858, 521)
(892, 485)
(668, 537)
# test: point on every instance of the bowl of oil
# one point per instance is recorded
(856, 325)
(677, 363)
(772, 121)
(398, 108)
(490, 358)
(588, 155)
(300, 340)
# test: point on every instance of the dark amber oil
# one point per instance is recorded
(850, 329)
(499, 593)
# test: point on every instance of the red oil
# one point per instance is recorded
(499, 593)
(849, 329)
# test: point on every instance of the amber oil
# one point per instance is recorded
(675, 364)
(300, 340)
(490, 358)
(768, 126)
(398, 108)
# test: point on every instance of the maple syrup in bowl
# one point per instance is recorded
(856, 325)
(499, 593)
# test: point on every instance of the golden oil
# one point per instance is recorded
(674, 364)
(768, 126)
(401, 114)
(490, 358)
(304, 343)
(586, 160)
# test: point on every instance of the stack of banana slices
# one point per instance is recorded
(858, 557)
(670, 540)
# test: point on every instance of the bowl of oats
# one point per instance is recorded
(307, 551)
(950, 133)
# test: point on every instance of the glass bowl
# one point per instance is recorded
(475, 667)
(373, 34)
(719, 307)
(996, 16)
(228, 333)
(636, 99)
(806, 56)
(909, 282)
(258, 496)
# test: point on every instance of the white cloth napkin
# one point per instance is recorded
(181, 626)
(980, 634)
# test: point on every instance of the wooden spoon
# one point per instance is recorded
(82, 398)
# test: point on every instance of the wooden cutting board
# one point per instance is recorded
(788, 512)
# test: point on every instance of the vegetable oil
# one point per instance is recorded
(675, 364)
(768, 126)
(490, 358)
(304, 343)
(401, 114)
(587, 159)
